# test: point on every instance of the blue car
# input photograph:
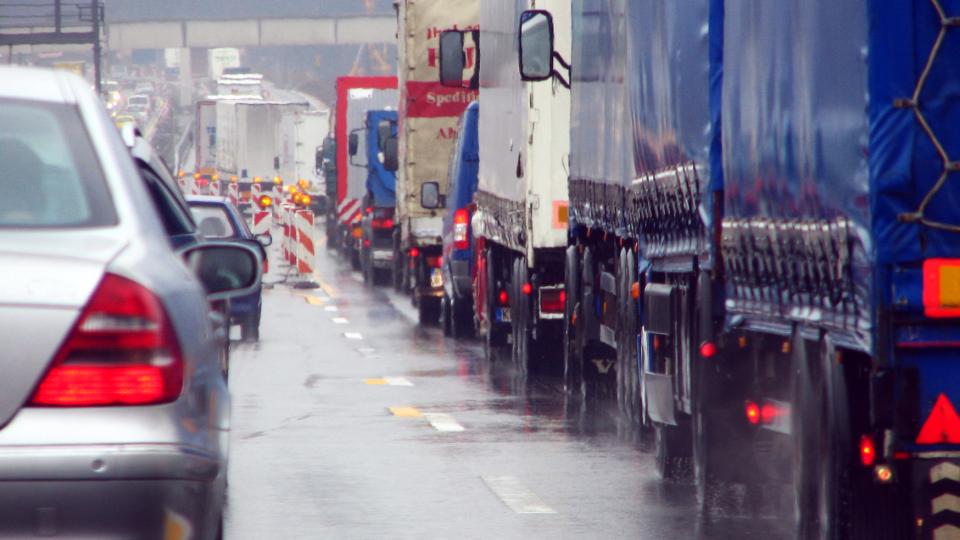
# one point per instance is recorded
(218, 219)
(456, 308)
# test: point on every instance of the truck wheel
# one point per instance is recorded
(445, 317)
(495, 335)
(519, 317)
(589, 373)
(630, 340)
(461, 311)
(428, 311)
(622, 332)
(572, 375)
(672, 452)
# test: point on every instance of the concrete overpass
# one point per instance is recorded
(151, 24)
(148, 24)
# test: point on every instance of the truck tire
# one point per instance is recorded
(630, 340)
(445, 316)
(520, 317)
(572, 354)
(623, 331)
(672, 451)
(495, 336)
(461, 312)
(589, 373)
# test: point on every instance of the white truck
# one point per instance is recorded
(247, 140)
(299, 137)
(520, 220)
(428, 113)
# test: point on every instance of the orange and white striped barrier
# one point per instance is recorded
(306, 251)
(262, 220)
(233, 194)
(215, 187)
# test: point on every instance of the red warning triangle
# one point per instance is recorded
(943, 424)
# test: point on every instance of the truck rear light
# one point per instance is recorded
(382, 223)
(414, 252)
(708, 349)
(461, 220)
(526, 289)
(552, 300)
(941, 288)
(868, 453)
(122, 351)
(503, 298)
(434, 262)
(752, 411)
(366, 242)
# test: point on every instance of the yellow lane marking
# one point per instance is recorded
(327, 288)
(315, 300)
(375, 381)
(406, 412)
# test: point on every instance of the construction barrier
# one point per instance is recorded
(255, 192)
(215, 188)
(262, 220)
(306, 251)
(285, 213)
(233, 193)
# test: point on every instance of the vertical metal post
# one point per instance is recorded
(57, 15)
(95, 9)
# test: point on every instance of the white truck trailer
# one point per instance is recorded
(429, 113)
(520, 221)
(247, 140)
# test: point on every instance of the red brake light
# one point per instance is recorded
(708, 349)
(868, 454)
(414, 252)
(122, 351)
(461, 219)
(366, 242)
(382, 223)
(434, 262)
(526, 289)
(753, 413)
(503, 297)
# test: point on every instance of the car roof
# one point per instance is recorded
(35, 84)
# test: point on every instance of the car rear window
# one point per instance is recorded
(212, 221)
(49, 173)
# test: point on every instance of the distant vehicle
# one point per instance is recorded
(429, 114)
(217, 219)
(374, 149)
(139, 100)
(355, 96)
(107, 332)
(456, 308)
(145, 87)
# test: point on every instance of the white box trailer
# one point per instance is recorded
(429, 114)
(522, 196)
(248, 137)
(308, 131)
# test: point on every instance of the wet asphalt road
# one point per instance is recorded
(470, 450)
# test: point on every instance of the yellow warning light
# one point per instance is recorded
(181, 174)
(233, 179)
(215, 177)
(303, 183)
(257, 179)
(277, 180)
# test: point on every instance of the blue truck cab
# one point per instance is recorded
(379, 150)
(456, 308)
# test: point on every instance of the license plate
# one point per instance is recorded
(383, 255)
(503, 314)
(436, 278)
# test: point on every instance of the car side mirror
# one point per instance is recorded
(353, 144)
(430, 195)
(226, 269)
(536, 45)
(391, 158)
(452, 58)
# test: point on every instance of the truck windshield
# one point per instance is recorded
(50, 176)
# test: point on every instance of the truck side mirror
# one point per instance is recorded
(391, 158)
(430, 195)
(452, 58)
(318, 161)
(353, 144)
(536, 45)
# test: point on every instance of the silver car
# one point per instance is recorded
(114, 412)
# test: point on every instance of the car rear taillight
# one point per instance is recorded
(122, 351)
(434, 262)
(461, 219)
(382, 223)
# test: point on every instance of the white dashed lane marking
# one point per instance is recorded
(340, 320)
(442, 422)
(353, 335)
(517, 496)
